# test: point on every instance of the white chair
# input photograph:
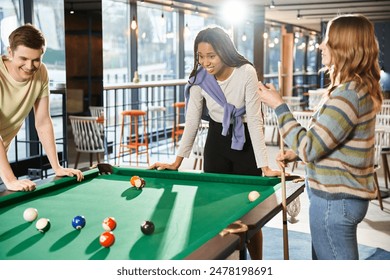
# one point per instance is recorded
(87, 137)
(383, 122)
(303, 117)
(156, 121)
(270, 121)
(385, 110)
(200, 141)
(294, 102)
(96, 111)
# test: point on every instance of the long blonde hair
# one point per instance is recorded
(354, 53)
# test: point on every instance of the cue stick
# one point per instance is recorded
(283, 180)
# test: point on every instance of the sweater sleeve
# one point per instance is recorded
(330, 126)
(254, 118)
(192, 120)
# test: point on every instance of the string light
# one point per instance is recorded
(133, 24)
(298, 15)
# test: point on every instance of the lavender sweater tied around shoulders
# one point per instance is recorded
(210, 85)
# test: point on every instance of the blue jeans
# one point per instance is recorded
(333, 226)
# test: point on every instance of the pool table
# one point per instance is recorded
(189, 210)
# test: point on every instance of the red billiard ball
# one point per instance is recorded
(147, 227)
(107, 238)
(109, 224)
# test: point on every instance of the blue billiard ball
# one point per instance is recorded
(78, 222)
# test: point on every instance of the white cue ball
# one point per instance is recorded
(253, 195)
(30, 214)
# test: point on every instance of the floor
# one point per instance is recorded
(374, 231)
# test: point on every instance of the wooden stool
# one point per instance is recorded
(138, 141)
(178, 128)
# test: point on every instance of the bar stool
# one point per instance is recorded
(178, 128)
(136, 141)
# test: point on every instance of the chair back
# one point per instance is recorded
(303, 117)
(385, 110)
(87, 134)
(96, 111)
(200, 139)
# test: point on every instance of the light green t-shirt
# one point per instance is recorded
(17, 99)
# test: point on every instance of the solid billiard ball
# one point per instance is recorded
(253, 195)
(109, 224)
(147, 227)
(78, 222)
(106, 239)
(30, 214)
(43, 225)
(133, 180)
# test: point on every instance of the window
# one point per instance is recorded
(245, 41)
(194, 23)
(116, 41)
(157, 43)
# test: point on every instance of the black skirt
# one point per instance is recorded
(219, 157)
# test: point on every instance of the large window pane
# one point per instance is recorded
(49, 18)
(10, 18)
(157, 43)
(116, 41)
(194, 23)
(245, 41)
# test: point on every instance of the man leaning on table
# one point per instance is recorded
(24, 84)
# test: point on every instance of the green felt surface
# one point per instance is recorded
(187, 209)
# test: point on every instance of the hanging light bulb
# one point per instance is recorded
(71, 9)
(272, 6)
(133, 24)
(243, 37)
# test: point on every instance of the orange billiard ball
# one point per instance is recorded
(134, 180)
(106, 239)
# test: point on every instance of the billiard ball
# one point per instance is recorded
(43, 225)
(30, 214)
(133, 180)
(109, 224)
(78, 222)
(253, 195)
(106, 239)
(137, 182)
(147, 227)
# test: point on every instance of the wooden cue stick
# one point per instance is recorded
(283, 181)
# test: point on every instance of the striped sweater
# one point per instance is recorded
(338, 147)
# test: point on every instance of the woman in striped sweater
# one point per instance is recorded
(338, 146)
